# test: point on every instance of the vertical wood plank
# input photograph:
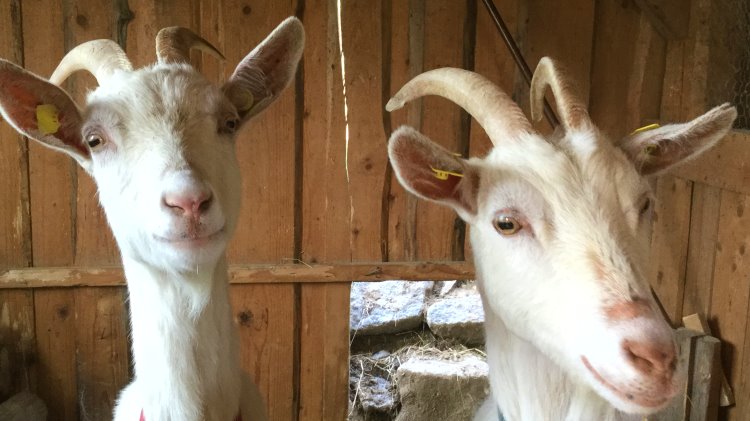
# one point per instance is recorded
(266, 151)
(56, 348)
(17, 343)
(669, 238)
(264, 315)
(52, 180)
(405, 31)
(706, 387)
(265, 147)
(731, 289)
(326, 204)
(85, 20)
(101, 337)
(444, 22)
(17, 340)
(704, 226)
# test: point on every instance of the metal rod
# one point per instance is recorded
(518, 57)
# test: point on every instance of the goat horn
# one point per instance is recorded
(498, 115)
(572, 110)
(99, 57)
(173, 45)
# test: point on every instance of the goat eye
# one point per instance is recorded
(646, 206)
(230, 125)
(94, 140)
(506, 225)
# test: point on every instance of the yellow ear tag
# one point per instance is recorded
(245, 100)
(443, 174)
(46, 119)
(646, 128)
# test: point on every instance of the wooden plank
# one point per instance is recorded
(678, 409)
(366, 155)
(15, 228)
(56, 349)
(669, 243)
(101, 335)
(706, 380)
(730, 300)
(405, 60)
(262, 313)
(17, 340)
(617, 25)
(668, 17)
(85, 20)
(52, 180)
(265, 149)
(726, 166)
(251, 274)
(324, 350)
(704, 226)
(444, 26)
(698, 323)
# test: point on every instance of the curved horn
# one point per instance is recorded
(498, 115)
(572, 110)
(173, 45)
(99, 57)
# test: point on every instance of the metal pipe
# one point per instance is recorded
(549, 114)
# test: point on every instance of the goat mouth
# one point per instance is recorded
(642, 399)
(191, 241)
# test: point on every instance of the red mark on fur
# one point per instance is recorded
(628, 310)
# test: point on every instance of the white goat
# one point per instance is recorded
(559, 235)
(159, 142)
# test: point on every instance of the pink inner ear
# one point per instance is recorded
(418, 162)
(23, 92)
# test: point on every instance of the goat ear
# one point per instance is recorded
(267, 70)
(432, 172)
(42, 111)
(655, 151)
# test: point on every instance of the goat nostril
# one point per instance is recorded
(651, 358)
(205, 204)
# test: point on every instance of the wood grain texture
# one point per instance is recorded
(264, 315)
(323, 329)
(706, 380)
(444, 26)
(17, 343)
(405, 61)
(730, 300)
(250, 274)
(669, 243)
(704, 225)
(102, 357)
(17, 338)
(54, 312)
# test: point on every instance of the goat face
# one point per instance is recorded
(158, 141)
(559, 228)
(170, 184)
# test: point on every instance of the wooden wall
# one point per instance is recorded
(320, 201)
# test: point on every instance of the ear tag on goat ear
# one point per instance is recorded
(245, 101)
(443, 174)
(645, 128)
(46, 119)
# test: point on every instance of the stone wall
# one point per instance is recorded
(417, 351)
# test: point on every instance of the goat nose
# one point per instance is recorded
(651, 358)
(189, 203)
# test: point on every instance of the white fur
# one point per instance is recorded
(542, 298)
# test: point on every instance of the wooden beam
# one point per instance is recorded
(249, 274)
